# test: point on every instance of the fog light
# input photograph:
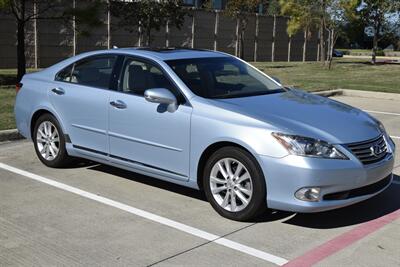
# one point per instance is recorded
(308, 194)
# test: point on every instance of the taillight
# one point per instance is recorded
(18, 87)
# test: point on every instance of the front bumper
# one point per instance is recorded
(343, 182)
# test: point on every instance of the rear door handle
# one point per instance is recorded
(118, 104)
(58, 91)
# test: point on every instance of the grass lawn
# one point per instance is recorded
(7, 98)
(311, 76)
(345, 74)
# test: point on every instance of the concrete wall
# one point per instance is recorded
(265, 38)
(8, 51)
(56, 39)
(226, 38)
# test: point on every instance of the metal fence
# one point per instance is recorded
(265, 39)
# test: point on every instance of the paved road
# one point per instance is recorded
(112, 221)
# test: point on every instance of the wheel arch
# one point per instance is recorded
(36, 115)
(211, 149)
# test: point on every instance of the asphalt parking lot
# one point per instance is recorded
(99, 215)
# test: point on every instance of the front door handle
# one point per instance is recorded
(118, 104)
(58, 91)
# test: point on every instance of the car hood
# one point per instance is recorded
(301, 113)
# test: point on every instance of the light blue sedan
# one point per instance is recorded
(209, 121)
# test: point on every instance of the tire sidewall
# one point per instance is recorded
(62, 154)
(257, 203)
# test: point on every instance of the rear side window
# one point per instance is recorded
(94, 72)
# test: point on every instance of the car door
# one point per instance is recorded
(80, 97)
(143, 134)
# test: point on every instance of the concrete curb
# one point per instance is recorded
(329, 93)
(359, 93)
(370, 94)
(9, 135)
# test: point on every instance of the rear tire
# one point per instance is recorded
(49, 142)
(234, 184)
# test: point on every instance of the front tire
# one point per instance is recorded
(234, 184)
(49, 142)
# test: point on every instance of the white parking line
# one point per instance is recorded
(395, 137)
(382, 112)
(153, 217)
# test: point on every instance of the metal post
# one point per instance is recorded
(318, 46)
(74, 30)
(140, 34)
(256, 38)
(237, 38)
(35, 35)
(108, 26)
(193, 28)
(305, 46)
(216, 27)
(289, 48)
(273, 40)
(167, 34)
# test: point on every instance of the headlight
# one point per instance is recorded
(308, 147)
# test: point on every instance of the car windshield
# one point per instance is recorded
(222, 77)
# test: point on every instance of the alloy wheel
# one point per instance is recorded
(48, 140)
(231, 184)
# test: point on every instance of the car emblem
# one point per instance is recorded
(376, 150)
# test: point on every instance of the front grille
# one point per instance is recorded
(370, 151)
(361, 191)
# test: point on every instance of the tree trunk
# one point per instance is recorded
(148, 36)
(305, 45)
(332, 40)
(148, 32)
(21, 60)
(328, 56)
(322, 41)
(374, 46)
(242, 44)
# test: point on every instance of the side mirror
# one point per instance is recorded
(162, 96)
(276, 79)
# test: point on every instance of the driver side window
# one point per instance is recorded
(138, 76)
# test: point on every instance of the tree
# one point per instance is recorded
(328, 15)
(273, 8)
(304, 15)
(353, 35)
(338, 14)
(146, 16)
(25, 11)
(239, 10)
(380, 16)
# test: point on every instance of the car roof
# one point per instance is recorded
(171, 53)
(162, 54)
